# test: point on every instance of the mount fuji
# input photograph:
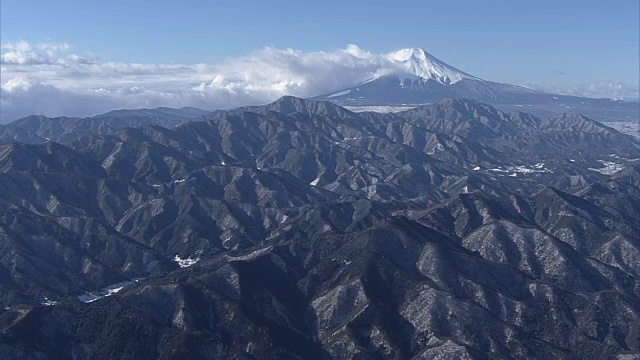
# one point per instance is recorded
(421, 78)
(419, 64)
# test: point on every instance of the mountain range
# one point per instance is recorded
(423, 79)
(37, 129)
(300, 229)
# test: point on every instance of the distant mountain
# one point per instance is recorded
(418, 64)
(300, 229)
(425, 79)
(39, 129)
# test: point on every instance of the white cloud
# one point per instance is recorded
(53, 48)
(23, 53)
(16, 46)
(277, 72)
(618, 90)
(50, 79)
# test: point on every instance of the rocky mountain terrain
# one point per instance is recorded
(424, 79)
(39, 129)
(302, 230)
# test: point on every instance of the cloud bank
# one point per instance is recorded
(618, 90)
(51, 79)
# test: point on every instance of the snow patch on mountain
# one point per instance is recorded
(421, 64)
(379, 109)
(609, 167)
(48, 302)
(521, 169)
(185, 263)
(107, 291)
(251, 255)
(340, 93)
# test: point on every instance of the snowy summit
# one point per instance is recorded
(421, 64)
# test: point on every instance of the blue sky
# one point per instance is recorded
(77, 58)
(545, 41)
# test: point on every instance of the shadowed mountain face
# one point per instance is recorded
(303, 230)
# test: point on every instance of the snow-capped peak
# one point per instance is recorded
(417, 62)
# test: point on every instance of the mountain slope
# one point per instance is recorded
(301, 229)
(423, 79)
(425, 66)
(39, 129)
